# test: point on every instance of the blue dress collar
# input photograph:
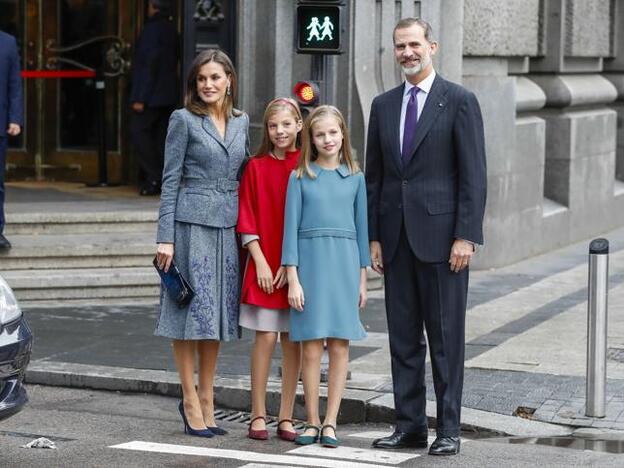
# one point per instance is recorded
(343, 170)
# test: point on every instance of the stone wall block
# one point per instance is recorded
(576, 167)
(496, 98)
(594, 132)
(587, 28)
(617, 211)
(619, 159)
(555, 231)
(591, 185)
(616, 62)
(514, 192)
(508, 238)
(365, 55)
(387, 67)
(530, 149)
(570, 42)
(557, 180)
(530, 146)
(515, 197)
(592, 195)
(501, 28)
(558, 137)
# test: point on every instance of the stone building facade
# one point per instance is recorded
(549, 75)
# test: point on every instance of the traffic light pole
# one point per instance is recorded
(322, 72)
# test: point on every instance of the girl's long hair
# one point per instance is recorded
(308, 150)
(192, 101)
(276, 105)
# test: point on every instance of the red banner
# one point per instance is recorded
(58, 74)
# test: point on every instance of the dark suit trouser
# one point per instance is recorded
(3, 148)
(149, 130)
(428, 294)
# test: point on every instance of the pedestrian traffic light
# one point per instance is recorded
(307, 95)
(320, 26)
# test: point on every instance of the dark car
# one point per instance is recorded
(15, 348)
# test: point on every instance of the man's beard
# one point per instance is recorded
(424, 63)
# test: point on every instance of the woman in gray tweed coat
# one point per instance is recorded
(207, 142)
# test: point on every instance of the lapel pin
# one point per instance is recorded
(440, 104)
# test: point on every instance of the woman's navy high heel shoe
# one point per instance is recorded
(216, 430)
(189, 430)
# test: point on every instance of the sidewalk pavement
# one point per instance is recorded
(525, 351)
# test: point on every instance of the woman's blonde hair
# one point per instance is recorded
(276, 105)
(308, 150)
(192, 101)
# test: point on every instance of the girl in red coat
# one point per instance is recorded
(264, 299)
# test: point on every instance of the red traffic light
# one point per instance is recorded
(306, 93)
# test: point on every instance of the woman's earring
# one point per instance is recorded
(228, 91)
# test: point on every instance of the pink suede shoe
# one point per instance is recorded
(262, 434)
(285, 435)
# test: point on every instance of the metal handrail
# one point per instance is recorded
(113, 55)
(93, 40)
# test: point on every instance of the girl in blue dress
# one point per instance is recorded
(325, 251)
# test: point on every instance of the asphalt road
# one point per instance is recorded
(87, 425)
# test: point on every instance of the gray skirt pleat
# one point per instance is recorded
(208, 258)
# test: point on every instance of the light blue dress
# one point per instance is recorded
(326, 237)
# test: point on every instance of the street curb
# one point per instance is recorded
(357, 406)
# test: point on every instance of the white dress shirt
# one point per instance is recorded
(421, 97)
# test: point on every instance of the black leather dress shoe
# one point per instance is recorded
(4, 243)
(399, 440)
(445, 446)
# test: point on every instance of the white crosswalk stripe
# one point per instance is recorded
(267, 459)
(357, 454)
(370, 434)
(260, 465)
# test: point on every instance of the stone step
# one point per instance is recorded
(80, 222)
(83, 283)
(102, 250)
(92, 284)
(96, 284)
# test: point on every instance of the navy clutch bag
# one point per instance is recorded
(177, 287)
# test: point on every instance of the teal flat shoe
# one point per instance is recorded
(326, 441)
(303, 439)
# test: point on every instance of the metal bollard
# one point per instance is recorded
(596, 386)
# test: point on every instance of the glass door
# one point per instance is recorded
(62, 39)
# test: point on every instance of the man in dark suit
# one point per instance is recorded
(11, 111)
(426, 183)
(154, 92)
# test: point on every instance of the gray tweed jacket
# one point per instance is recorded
(200, 176)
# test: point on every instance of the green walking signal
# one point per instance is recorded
(319, 26)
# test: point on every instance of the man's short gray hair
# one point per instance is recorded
(407, 22)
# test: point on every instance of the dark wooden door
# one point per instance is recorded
(60, 135)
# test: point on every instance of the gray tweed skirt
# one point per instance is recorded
(208, 258)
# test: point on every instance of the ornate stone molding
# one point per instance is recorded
(529, 96)
(575, 90)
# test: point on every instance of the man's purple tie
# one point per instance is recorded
(409, 128)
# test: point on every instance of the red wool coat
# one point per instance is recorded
(262, 197)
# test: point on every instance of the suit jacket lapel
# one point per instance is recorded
(210, 128)
(393, 121)
(434, 106)
(231, 130)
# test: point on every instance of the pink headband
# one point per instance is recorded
(288, 101)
